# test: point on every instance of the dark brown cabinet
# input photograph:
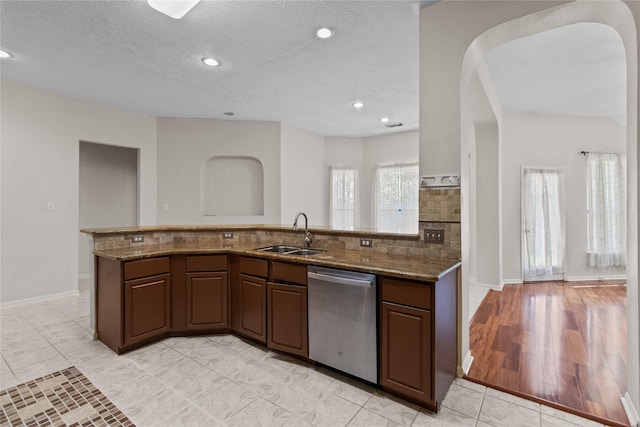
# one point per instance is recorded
(206, 301)
(418, 338)
(206, 292)
(147, 308)
(406, 351)
(133, 301)
(141, 301)
(287, 309)
(249, 297)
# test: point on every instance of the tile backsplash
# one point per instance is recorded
(439, 205)
(439, 210)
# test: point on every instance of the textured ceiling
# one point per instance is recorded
(579, 70)
(125, 54)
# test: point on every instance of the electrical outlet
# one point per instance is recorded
(433, 236)
(366, 243)
(227, 235)
(137, 238)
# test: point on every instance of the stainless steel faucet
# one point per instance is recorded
(307, 233)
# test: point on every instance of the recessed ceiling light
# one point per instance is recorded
(324, 33)
(358, 105)
(176, 9)
(385, 120)
(211, 62)
(5, 54)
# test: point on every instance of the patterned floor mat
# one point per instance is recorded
(64, 398)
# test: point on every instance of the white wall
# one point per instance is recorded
(41, 132)
(537, 140)
(487, 204)
(108, 192)
(446, 31)
(484, 206)
(185, 144)
(303, 179)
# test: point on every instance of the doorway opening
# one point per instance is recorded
(543, 224)
(108, 193)
(509, 243)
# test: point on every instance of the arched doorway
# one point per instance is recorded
(617, 16)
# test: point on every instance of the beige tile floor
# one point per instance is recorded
(223, 380)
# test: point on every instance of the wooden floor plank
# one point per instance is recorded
(558, 342)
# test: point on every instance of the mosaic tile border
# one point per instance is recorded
(63, 398)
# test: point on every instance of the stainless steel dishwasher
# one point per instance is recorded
(342, 321)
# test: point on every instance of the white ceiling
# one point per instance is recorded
(579, 70)
(125, 54)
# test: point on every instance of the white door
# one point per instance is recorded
(543, 224)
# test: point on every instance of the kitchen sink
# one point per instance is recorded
(306, 252)
(290, 250)
(281, 249)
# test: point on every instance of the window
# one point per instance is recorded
(343, 198)
(606, 209)
(395, 198)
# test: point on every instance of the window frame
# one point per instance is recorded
(356, 198)
(405, 225)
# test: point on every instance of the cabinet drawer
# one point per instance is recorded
(253, 266)
(414, 294)
(146, 267)
(197, 263)
(292, 273)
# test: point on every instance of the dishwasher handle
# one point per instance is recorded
(338, 280)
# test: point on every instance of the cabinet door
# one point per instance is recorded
(287, 308)
(406, 351)
(253, 305)
(206, 306)
(147, 309)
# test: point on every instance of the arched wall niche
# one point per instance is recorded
(232, 186)
(617, 15)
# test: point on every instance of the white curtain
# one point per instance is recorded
(343, 198)
(395, 198)
(543, 204)
(606, 209)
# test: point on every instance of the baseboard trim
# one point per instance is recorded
(510, 282)
(496, 287)
(630, 410)
(467, 362)
(595, 278)
(39, 299)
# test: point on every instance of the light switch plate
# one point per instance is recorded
(433, 236)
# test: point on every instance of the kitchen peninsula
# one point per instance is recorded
(153, 282)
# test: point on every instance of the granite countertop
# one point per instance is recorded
(408, 267)
(362, 232)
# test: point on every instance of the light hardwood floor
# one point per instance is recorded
(559, 342)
